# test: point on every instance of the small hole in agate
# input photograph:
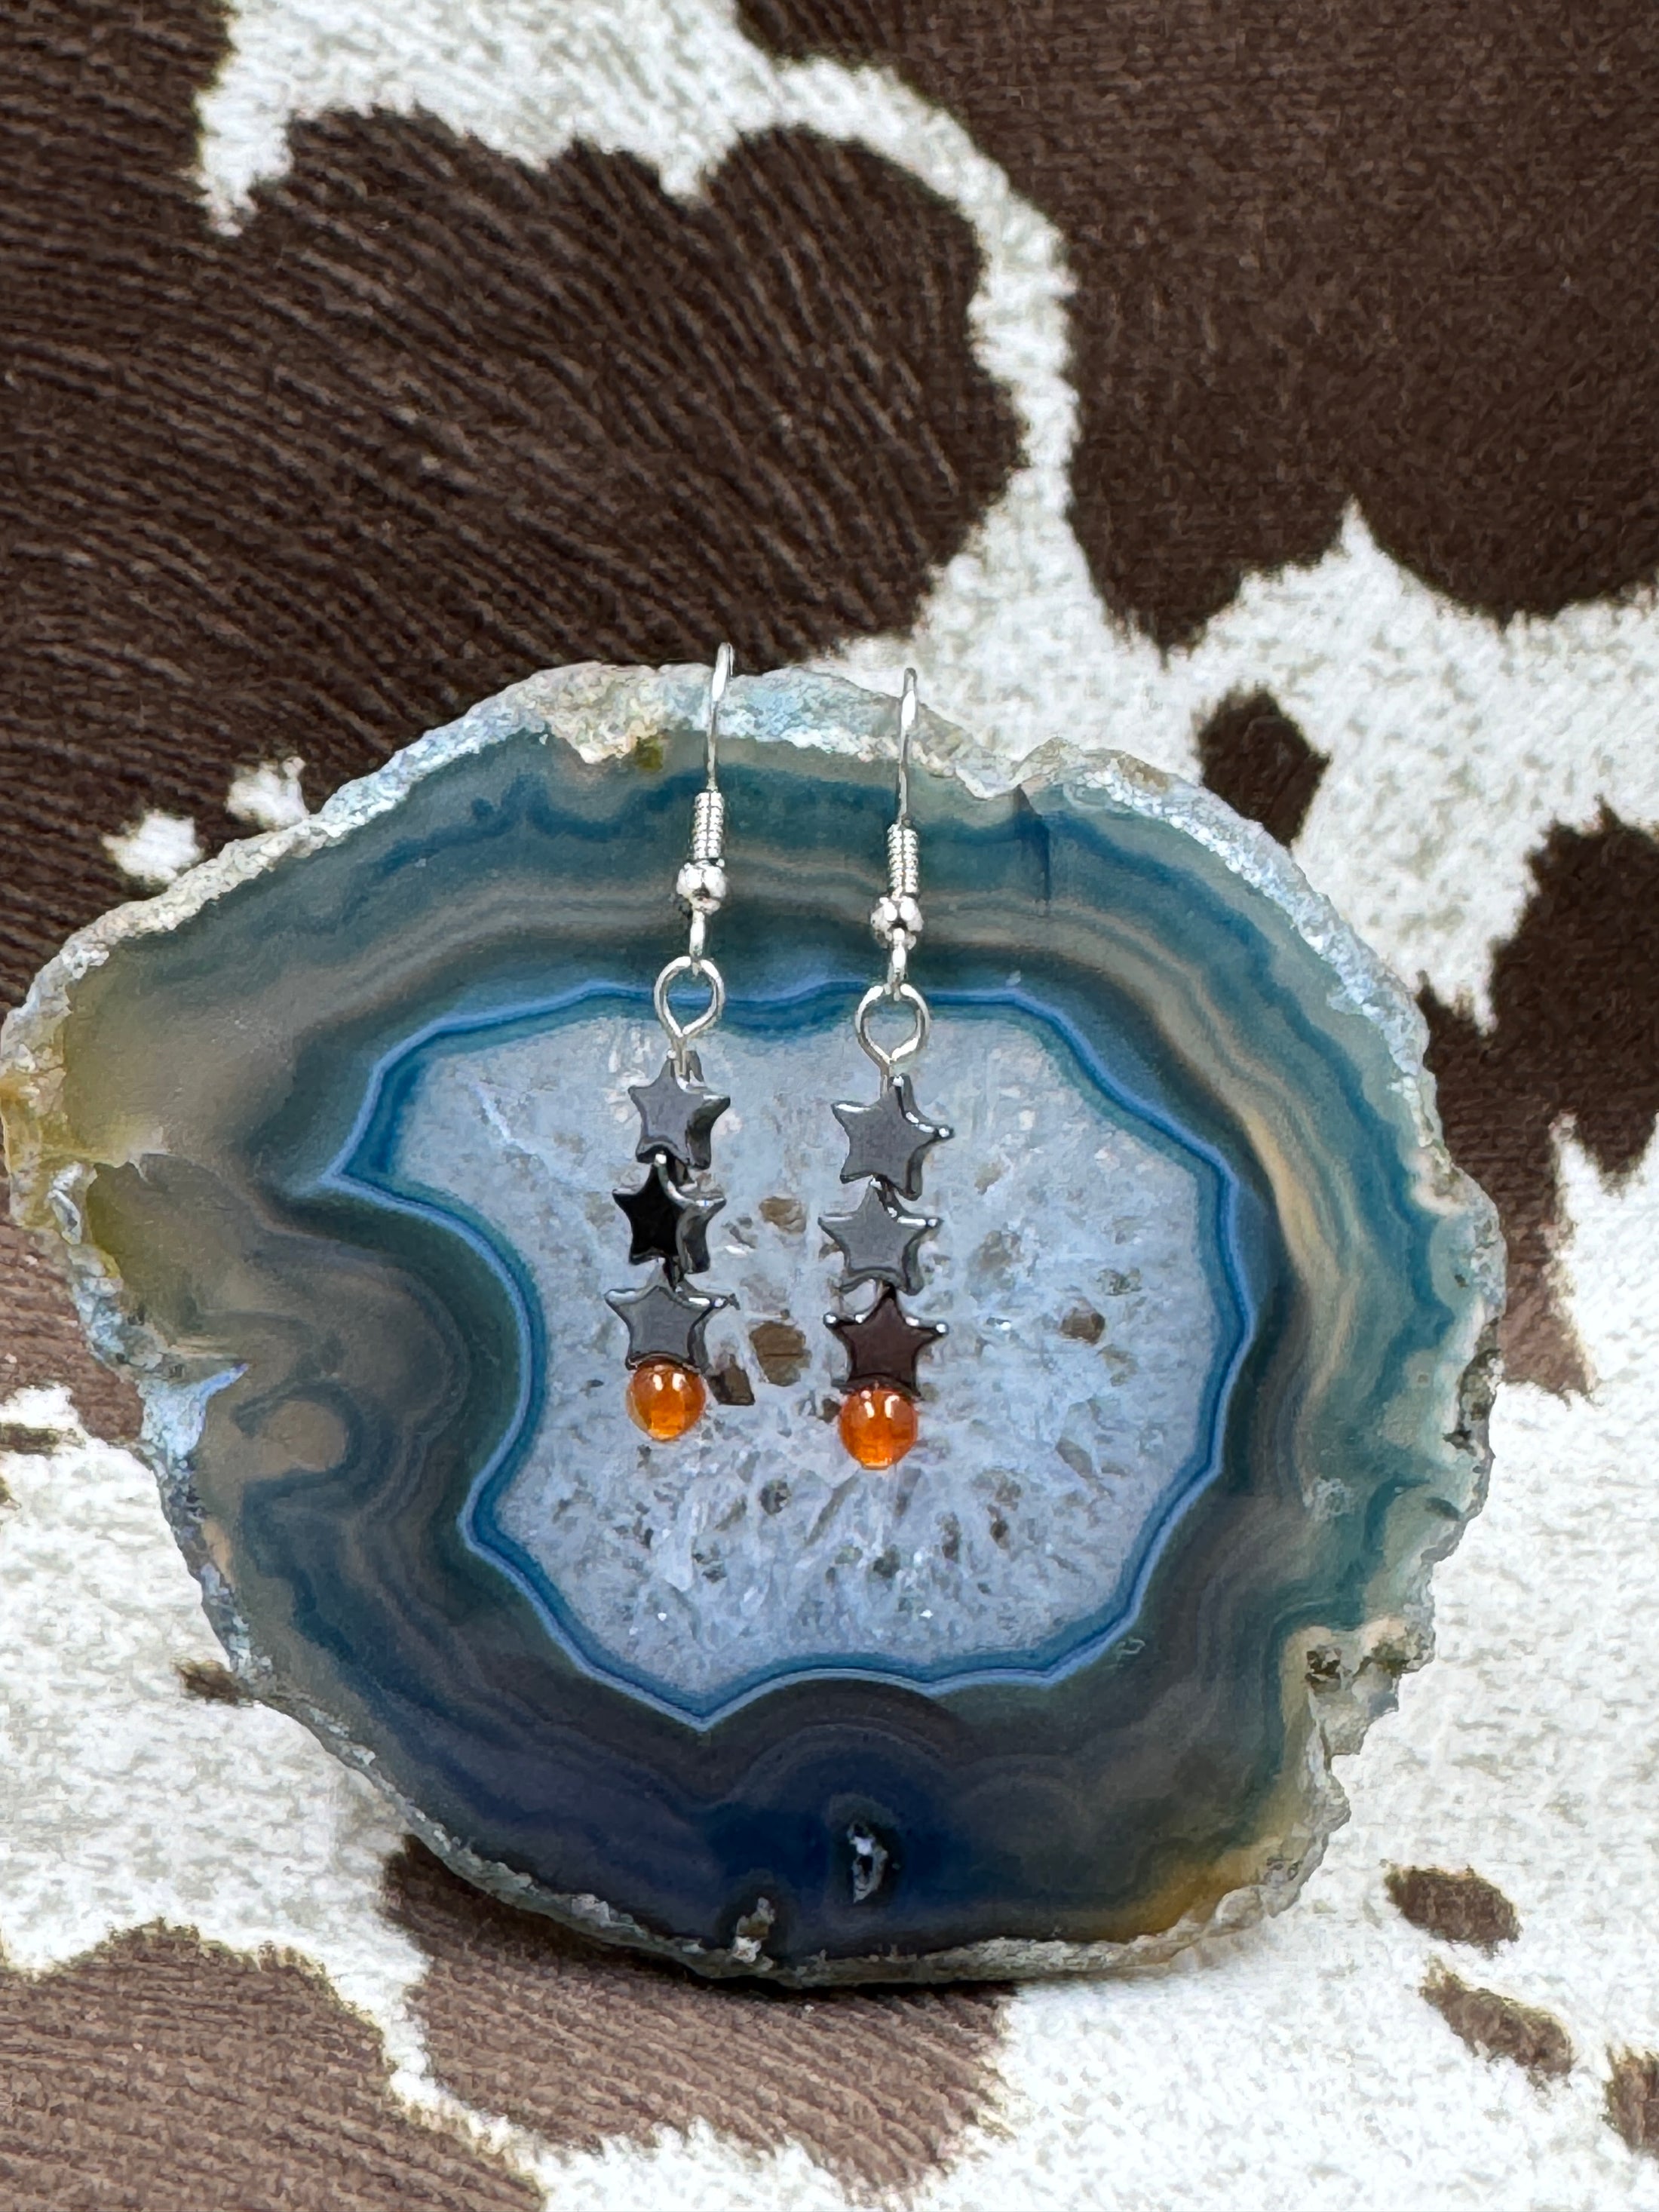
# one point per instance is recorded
(869, 1857)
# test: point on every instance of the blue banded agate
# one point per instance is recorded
(328, 1133)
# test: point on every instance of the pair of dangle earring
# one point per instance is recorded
(668, 1215)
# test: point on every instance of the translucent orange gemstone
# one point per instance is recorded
(878, 1425)
(666, 1400)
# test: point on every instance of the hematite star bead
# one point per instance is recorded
(666, 1223)
(888, 1139)
(878, 1240)
(676, 1117)
(666, 1320)
(884, 1345)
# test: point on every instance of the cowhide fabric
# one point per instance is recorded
(1266, 390)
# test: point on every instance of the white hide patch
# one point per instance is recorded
(268, 796)
(156, 849)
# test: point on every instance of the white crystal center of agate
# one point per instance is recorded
(1070, 1407)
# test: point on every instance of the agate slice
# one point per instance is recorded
(327, 1136)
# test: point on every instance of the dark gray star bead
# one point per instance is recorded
(884, 1345)
(667, 1223)
(666, 1320)
(676, 1117)
(878, 1240)
(888, 1139)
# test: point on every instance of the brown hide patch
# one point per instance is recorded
(1404, 257)
(1459, 1908)
(1251, 754)
(1574, 1040)
(41, 1343)
(433, 419)
(1632, 2105)
(580, 2043)
(164, 2075)
(1497, 2027)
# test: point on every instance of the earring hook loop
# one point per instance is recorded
(682, 1034)
(891, 1058)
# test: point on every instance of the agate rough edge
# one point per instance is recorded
(326, 1135)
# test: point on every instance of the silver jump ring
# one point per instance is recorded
(681, 1034)
(888, 1058)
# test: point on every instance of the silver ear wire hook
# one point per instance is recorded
(700, 885)
(897, 918)
(907, 724)
(717, 682)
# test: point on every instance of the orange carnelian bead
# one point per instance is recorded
(878, 1425)
(664, 1398)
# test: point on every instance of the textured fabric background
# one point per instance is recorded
(1269, 390)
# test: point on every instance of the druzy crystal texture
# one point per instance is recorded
(328, 1135)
